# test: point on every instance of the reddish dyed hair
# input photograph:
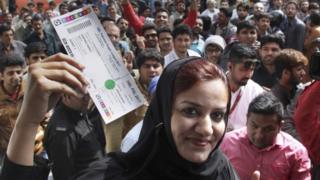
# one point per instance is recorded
(194, 72)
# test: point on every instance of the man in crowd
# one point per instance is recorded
(39, 35)
(292, 27)
(8, 45)
(290, 71)
(181, 42)
(241, 65)
(211, 11)
(197, 43)
(263, 25)
(223, 26)
(11, 96)
(246, 34)
(35, 52)
(165, 40)
(243, 12)
(150, 64)
(262, 146)
(149, 33)
(264, 75)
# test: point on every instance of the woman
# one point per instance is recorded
(181, 133)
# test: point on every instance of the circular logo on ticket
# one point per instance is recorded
(110, 84)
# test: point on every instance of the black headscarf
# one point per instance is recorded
(155, 155)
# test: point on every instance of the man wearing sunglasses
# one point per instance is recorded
(241, 65)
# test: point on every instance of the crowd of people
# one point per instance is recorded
(228, 92)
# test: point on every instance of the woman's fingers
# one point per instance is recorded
(59, 73)
(64, 58)
(66, 66)
(65, 77)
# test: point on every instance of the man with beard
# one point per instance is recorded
(241, 66)
(149, 33)
(270, 47)
(290, 71)
(292, 27)
(197, 40)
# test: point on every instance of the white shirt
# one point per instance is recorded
(212, 14)
(238, 118)
(172, 56)
(131, 138)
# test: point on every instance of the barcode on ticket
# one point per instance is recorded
(79, 27)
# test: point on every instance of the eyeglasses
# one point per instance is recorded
(211, 50)
(148, 66)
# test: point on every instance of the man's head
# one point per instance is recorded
(224, 16)
(291, 9)
(113, 32)
(198, 27)
(150, 64)
(258, 8)
(150, 34)
(304, 6)
(224, 4)
(7, 18)
(181, 38)
(241, 65)
(35, 52)
(247, 33)
(277, 3)
(264, 120)
(180, 6)
(123, 24)
(11, 71)
(242, 10)
(37, 23)
(270, 47)
(290, 66)
(6, 34)
(63, 8)
(27, 19)
(165, 39)
(211, 4)
(263, 22)
(161, 17)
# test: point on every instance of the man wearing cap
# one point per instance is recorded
(213, 48)
(241, 65)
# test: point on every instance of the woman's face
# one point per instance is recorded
(197, 121)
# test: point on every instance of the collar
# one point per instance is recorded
(14, 96)
(277, 143)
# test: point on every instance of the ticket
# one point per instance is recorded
(111, 86)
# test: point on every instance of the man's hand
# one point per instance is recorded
(255, 175)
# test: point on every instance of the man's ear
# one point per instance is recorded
(285, 74)
(1, 76)
(229, 65)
